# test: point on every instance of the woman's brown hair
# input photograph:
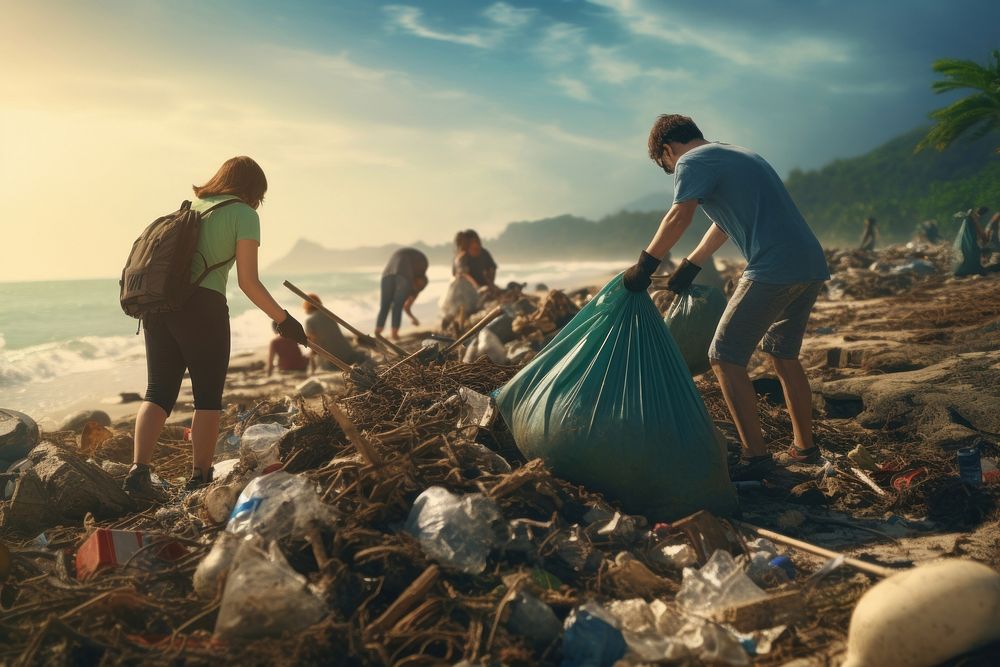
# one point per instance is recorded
(240, 176)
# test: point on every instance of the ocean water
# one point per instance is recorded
(66, 345)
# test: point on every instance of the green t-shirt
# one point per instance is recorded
(220, 230)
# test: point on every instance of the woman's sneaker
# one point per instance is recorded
(139, 485)
(807, 456)
(752, 469)
(199, 478)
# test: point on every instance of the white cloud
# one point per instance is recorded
(736, 47)
(589, 143)
(574, 88)
(561, 43)
(338, 64)
(608, 66)
(504, 19)
(506, 15)
(410, 19)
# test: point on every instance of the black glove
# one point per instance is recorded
(637, 277)
(683, 277)
(290, 328)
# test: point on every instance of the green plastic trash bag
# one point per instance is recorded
(967, 260)
(692, 319)
(609, 403)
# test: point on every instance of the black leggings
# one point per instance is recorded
(195, 338)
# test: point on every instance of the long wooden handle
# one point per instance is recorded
(336, 318)
(389, 345)
(479, 326)
(329, 356)
(870, 568)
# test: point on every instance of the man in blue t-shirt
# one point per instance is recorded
(747, 202)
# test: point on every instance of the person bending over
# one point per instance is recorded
(326, 333)
(404, 277)
(786, 268)
(196, 337)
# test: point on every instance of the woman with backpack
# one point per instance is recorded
(195, 337)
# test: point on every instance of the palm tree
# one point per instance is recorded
(978, 114)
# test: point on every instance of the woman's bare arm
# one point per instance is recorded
(249, 280)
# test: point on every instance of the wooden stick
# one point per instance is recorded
(870, 568)
(329, 356)
(407, 359)
(392, 347)
(414, 594)
(339, 320)
(479, 326)
(359, 441)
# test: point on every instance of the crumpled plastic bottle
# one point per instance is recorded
(457, 531)
(720, 583)
(279, 505)
(214, 568)
(591, 638)
(261, 441)
(533, 619)
(265, 597)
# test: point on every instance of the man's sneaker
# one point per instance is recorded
(753, 469)
(199, 478)
(796, 455)
(139, 486)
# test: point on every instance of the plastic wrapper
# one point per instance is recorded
(718, 584)
(458, 531)
(279, 505)
(261, 442)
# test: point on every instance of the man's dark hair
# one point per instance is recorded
(983, 210)
(671, 127)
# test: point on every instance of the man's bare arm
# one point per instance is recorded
(672, 227)
(709, 244)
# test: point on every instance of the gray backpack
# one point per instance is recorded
(157, 275)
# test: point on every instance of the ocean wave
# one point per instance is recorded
(41, 363)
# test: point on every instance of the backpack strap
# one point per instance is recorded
(209, 269)
(217, 265)
(236, 200)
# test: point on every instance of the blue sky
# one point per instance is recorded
(400, 121)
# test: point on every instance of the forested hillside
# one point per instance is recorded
(898, 187)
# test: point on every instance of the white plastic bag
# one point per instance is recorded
(265, 597)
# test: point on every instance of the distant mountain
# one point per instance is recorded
(566, 237)
(890, 182)
(654, 201)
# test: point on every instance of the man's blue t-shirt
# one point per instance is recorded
(744, 196)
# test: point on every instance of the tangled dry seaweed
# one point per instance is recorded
(371, 451)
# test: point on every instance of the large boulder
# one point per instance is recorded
(77, 421)
(61, 487)
(18, 436)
